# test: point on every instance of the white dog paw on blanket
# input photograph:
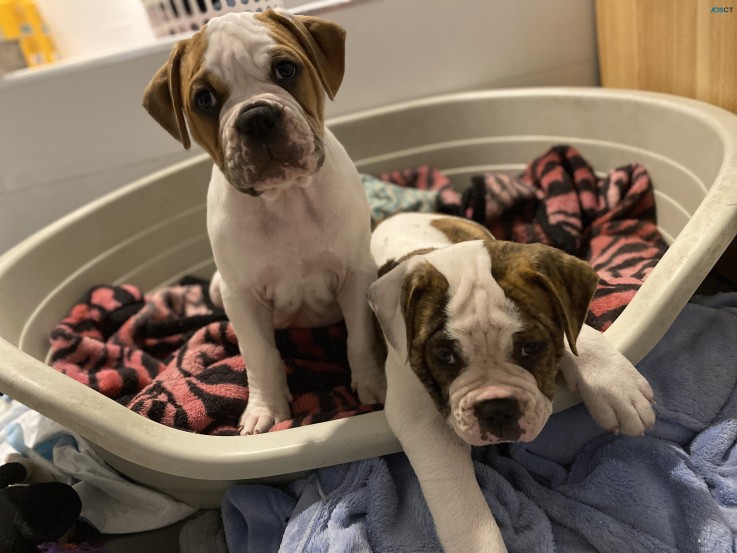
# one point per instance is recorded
(617, 396)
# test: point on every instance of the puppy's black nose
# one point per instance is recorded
(257, 122)
(497, 413)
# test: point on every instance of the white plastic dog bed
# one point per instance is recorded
(690, 149)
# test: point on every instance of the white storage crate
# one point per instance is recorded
(152, 232)
(171, 17)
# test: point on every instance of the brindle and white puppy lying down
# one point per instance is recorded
(475, 332)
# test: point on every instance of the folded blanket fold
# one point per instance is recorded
(254, 518)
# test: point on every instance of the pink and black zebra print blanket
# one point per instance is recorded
(558, 200)
(172, 357)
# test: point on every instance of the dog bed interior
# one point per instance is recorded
(172, 356)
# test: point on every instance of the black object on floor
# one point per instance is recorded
(34, 514)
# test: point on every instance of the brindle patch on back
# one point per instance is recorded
(460, 230)
(424, 299)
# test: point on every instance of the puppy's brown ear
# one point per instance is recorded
(571, 283)
(163, 97)
(324, 43)
(423, 300)
(413, 295)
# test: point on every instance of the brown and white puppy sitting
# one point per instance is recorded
(477, 331)
(287, 215)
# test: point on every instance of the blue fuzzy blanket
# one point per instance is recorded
(576, 488)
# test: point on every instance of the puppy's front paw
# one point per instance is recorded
(621, 403)
(618, 397)
(261, 415)
(371, 387)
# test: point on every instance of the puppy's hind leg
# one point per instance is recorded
(216, 295)
(367, 373)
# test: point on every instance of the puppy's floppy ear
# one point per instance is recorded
(383, 297)
(324, 43)
(571, 283)
(423, 300)
(163, 96)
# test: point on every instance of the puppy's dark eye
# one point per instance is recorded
(445, 356)
(285, 70)
(531, 349)
(205, 100)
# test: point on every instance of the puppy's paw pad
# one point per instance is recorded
(627, 412)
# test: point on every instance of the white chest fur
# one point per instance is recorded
(278, 247)
(303, 294)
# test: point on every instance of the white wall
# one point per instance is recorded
(72, 133)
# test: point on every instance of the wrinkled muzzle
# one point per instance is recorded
(268, 144)
(495, 414)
